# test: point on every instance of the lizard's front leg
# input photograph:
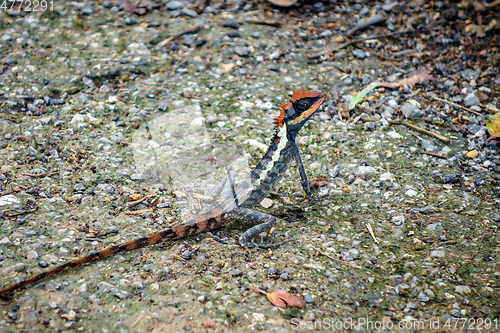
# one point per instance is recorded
(303, 177)
(264, 221)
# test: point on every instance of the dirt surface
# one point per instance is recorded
(102, 107)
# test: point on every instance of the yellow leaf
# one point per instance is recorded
(493, 124)
(491, 25)
(472, 154)
(134, 197)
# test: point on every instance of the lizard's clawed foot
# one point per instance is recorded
(249, 245)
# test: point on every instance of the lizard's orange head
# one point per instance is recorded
(302, 105)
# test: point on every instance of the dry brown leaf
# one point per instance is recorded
(139, 7)
(319, 182)
(420, 76)
(281, 298)
(209, 323)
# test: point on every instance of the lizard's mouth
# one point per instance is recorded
(306, 114)
(316, 105)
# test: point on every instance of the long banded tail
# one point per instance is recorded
(210, 220)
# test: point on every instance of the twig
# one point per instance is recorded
(457, 105)
(107, 233)
(6, 193)
(137, 212)
(196, 196)
(40, 175)
(370, 230)
(366, 119)
(352, 42)
(435, 154)
(378, 55)
(133, 203)
(264, 22)
(402, 122)
(189, 30)
(400, 53)
(430, 121)
(416, 135)
(137, 321)
(376, 19)
(177, 65)
(336, 260)
(16, 213)
(493, 137)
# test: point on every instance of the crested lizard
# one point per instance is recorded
(238, 203)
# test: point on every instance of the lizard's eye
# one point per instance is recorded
(303, 104)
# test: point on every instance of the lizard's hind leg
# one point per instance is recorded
(265, 221)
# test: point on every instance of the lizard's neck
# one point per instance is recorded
(271, 164)
(266, 175)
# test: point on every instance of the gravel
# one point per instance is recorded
(90, 96)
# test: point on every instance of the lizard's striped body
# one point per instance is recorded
(266, 175)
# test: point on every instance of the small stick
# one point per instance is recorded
(493, 137)
(40, 175)
(133, 203)
(400, 53)
(416, 135)
(430, 121)
(378, 55)
(376, 19)
(336, 260)
(370, 230)
(137, 212)
(435, 154)
(457, 105)
(137, 321)
(264, 22)
(352, 42)
(16, 213)
(191, 29)
(107, 233)
(196, 196)
(178, 257)
(402, 122)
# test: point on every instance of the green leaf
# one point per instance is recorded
(355, 99)
(493, 124)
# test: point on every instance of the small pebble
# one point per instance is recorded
(173, 5)
(360, 54)
(231, 23)
(186, 255)
(242, 51)
(452, 178)
(79, 187)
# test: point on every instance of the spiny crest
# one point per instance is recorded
(302, 93)
(278, 121)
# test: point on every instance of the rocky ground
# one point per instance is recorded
(102, 107)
